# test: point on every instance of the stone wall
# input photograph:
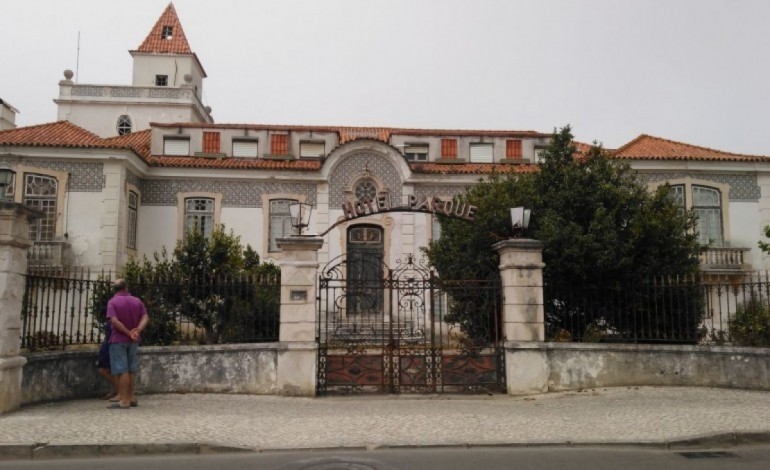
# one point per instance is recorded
(545, 367)
(238, 368)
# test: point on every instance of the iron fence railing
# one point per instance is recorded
(63, 308)
(696, 310)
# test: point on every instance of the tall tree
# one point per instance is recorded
(604, 235)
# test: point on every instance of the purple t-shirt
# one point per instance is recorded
(129, 310)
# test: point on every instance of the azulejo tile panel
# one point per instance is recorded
(352, 166)
(163, 192)
(743, 188)
(85, 177)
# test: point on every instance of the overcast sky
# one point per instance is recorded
(696, 71)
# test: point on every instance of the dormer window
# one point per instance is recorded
(416, 152)
(167, 32)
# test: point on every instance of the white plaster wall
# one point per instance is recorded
(147, 66)
(246, 222)
(84, 229)
(102, 118)
(157, 227)
(746, 230)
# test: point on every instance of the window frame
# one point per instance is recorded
(722, 189)
(411, 156)
(181, 210)
(272, 245)
(167, 138)
(489, 145)
(244, 140)
(132, 224)
(167, 32)
(124, 120)
(42, 229)
(62, 178)
(303, 143)
(449, 148)
(161, 80)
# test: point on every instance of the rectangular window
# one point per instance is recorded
(513, 149)
(40, 193)
(279, 144)
(448, 148)
(176, 146)
(211, 142)
(167, 32)
(707, 204)
(416, 152)
(280, 221)
(245, 148)
(161, 80)
(199, 216)
(482, 153)
(133, 206)
(308, 149)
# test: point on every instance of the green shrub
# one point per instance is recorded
(750, 326)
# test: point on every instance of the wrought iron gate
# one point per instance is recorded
(399, 330)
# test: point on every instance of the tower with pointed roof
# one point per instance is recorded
(167, 86)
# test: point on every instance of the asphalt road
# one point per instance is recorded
(487, 458)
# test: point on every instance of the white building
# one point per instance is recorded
(128, 168)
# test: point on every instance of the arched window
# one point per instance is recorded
(124, 125)
(199, 216)
(706, 202)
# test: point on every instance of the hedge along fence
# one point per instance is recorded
(689, 310)
(68, 308)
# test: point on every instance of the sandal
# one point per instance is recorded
(110, 396)
(134, 404)
(118, 406)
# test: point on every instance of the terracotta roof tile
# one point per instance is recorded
(647, 147)
(470, 168)
(53, 134)
(139, 142)
(236, 163)
(156, 43)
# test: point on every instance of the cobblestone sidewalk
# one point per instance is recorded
(612, 415)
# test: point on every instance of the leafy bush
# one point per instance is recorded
(750, 326)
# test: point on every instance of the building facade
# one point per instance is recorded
(129, 169)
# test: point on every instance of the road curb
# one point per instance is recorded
(42, 451)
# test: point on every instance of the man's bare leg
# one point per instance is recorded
(131, 383)
(124, 389)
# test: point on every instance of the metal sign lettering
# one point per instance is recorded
(430, 205)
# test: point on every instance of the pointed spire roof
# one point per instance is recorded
(167, 36)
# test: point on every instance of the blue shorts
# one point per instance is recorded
(123, 358)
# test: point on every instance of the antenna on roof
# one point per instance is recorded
(77, 62)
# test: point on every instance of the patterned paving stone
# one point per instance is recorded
(612, 415)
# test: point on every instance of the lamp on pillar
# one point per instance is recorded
(520, 219)
(6, 179)
(300, 215)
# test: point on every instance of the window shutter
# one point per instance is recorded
(311, 149)
(279, 144)
(416, 152)
(211, 142)
(176, 147)
(448, 148)
(481, 153)
(513, 149)
(245, 148)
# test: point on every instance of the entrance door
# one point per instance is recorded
(365, 270)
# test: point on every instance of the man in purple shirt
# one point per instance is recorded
(128, 317)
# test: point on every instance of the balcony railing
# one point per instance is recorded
(48, 255)
(724, 260)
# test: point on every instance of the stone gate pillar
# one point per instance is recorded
(297, 355)
(14, 242)
(521, 271)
